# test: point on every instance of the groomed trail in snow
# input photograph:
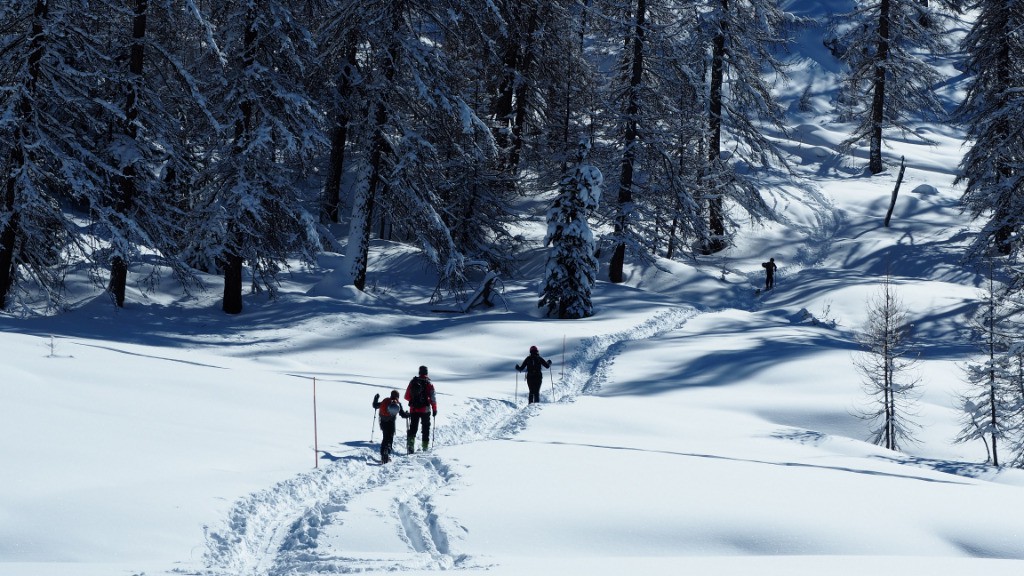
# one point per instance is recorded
(304, 525)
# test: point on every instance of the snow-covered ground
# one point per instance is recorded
(690, 426)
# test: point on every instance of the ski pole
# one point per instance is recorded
(552, 378)
(373, 425)
(562, 377)
(516, 397)
(316, 441)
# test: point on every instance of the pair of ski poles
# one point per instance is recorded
(550, 377)
(373, 427)
(430, 439)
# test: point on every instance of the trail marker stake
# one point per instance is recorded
(316, 446)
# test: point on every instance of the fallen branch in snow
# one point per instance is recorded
(896, 190)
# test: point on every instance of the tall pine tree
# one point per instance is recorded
(420, 134)
(988, 405)
(571, 269)
(885, 44)
(156, 92)
(53, 118)
(744, 41)
(993, 112)
(252, 209)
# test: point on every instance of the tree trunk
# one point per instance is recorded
(615, 268)
(232, 260)
(12, 228)
(522, 94)
(502, 106)
(379, 149)
(9, 234)
(567, 145)
(339, 139)
(233, 266)
(670, 247)
(993, 412)
(878, 100)
(335, 171)
(377, 152)
(994, 419)
(716, 214)
(1004, 237)
(125, 181)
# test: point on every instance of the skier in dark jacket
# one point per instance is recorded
(390, 409)
(422, 404)
(769, 273)
(534, 366)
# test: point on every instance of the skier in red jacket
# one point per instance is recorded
(422, 405)
(390, 409)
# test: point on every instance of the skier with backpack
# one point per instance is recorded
(534, 365)
(422, 405)
(769, 273)
(390, 409)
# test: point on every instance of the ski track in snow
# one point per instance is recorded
(282, 530)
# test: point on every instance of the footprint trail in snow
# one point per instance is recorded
(351, 517)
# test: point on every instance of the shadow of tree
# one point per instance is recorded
(844, 469)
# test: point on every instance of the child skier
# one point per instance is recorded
(390, 409)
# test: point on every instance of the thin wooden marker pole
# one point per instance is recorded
(316, 446)
(562, 377)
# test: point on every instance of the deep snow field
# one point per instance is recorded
(690, 426)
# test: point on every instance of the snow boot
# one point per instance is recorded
(426, 445)
(411, 444)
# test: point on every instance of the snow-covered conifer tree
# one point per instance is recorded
(518, 57)
(52, 121)
(571, 269)
(691, 79)
(338, 45)
(251, 206)
(993, 112)
(653, 107)
(992, 406)
(417, 128)
(161, 104)
(95, 115)
(885, 364)
(745, 38)
(885, 44)
(673, 143)
(632, 70)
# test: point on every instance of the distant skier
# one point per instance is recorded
(769, 273)
(534, 365)
(422, 404)
(390, 409)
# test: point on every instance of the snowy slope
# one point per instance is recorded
(693, 424)
(694, 427)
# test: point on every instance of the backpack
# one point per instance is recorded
(534, 366)
(389, 408)
(419, 395)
